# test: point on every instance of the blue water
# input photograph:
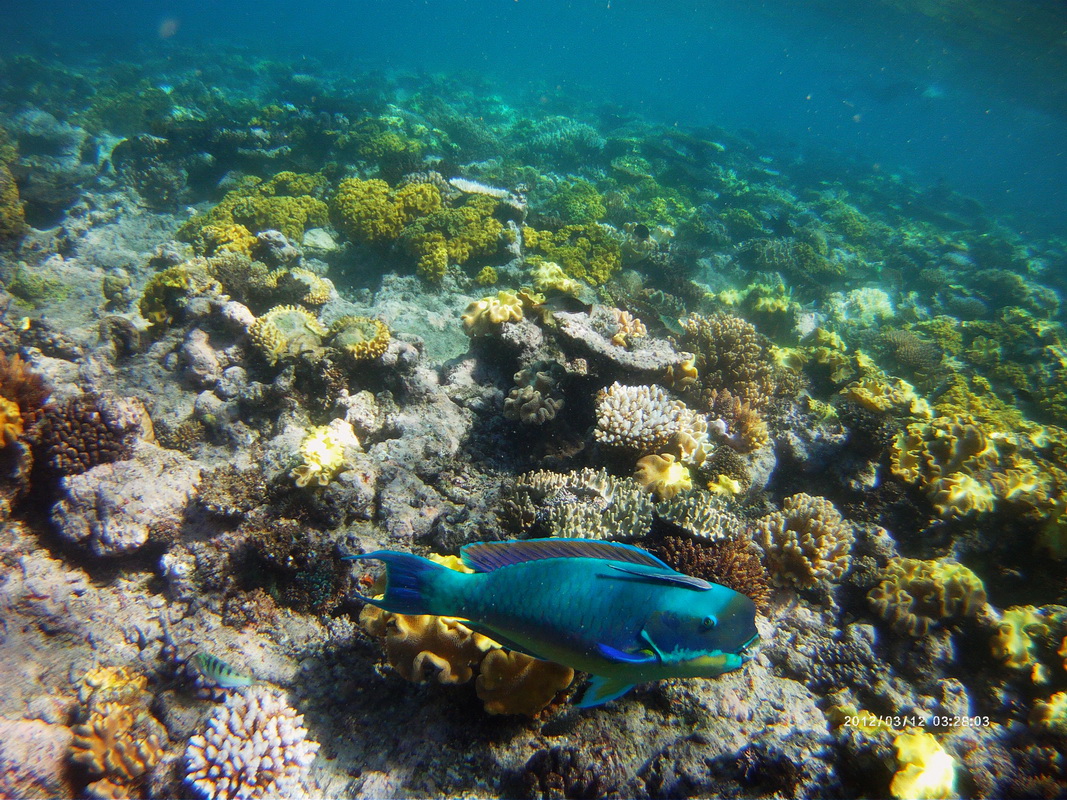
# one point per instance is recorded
(975, 100)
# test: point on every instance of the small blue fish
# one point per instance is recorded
(220, 673)
(609, 609)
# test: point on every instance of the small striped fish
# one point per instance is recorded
(220, 673)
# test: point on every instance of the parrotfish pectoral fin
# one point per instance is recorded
(406, 578)
(671, 578)
(602, 690)
(622, 657)
(488, 556)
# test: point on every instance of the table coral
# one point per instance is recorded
(806, 544)
(514, 683)
(255, 746)
(914, 595)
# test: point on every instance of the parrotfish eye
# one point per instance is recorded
(708, 623)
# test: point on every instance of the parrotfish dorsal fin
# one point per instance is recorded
(672, 579)
(488, 556)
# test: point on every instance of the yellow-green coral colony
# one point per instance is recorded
(362, 338)
(287, 332)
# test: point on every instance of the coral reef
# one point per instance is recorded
(729, 354)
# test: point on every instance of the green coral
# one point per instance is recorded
(369, 211)
(585, 252)
(166, 292)
(12, 216)
(575, 202)
(468, 232)
(288, 202)
(741, 224)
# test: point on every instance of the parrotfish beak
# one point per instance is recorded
(749, 648)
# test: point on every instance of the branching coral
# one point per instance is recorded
(644, 419)
(255, 746)
(730, 354)
(807, 543)
(915, 595)
(729, 561)
(744, 429)
(288, 202)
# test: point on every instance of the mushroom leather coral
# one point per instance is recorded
(514, 683)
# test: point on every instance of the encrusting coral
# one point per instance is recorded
(914, 595)
(806, 544)
(255, 746)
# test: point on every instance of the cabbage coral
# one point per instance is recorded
(807, 543)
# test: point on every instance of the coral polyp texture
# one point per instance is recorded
(806, 544)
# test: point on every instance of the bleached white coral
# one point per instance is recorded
(255, 746)
(864, 307)
(646, 419)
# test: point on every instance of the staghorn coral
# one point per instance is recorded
(807, 543)
(644, 419)
(514, 683)
(730, 561)
(286, 332)
(361, 338)
(255, 746)
(730, 354)
(914, 595)
(81, 433)
(663, 476)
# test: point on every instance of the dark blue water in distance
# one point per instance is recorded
(969, 95)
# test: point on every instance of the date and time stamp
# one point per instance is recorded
(937, 721)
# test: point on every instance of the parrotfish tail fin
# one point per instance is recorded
(407, 581)
(602, 690)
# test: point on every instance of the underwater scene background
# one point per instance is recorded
(769, 290)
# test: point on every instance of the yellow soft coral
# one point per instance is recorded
(1050, 716)
(914, 595)
(323, 453)
(362, 338)
(549, 276)
(514, 683)
(10, 422)
(486, 314)
(663, 475)
(1014, 643)
(927, 771)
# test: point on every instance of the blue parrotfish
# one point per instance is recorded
(612, 610)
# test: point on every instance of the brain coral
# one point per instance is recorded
(807, 543)
(730, 354)
(646, 420)
(255, 746)
(914, 594)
